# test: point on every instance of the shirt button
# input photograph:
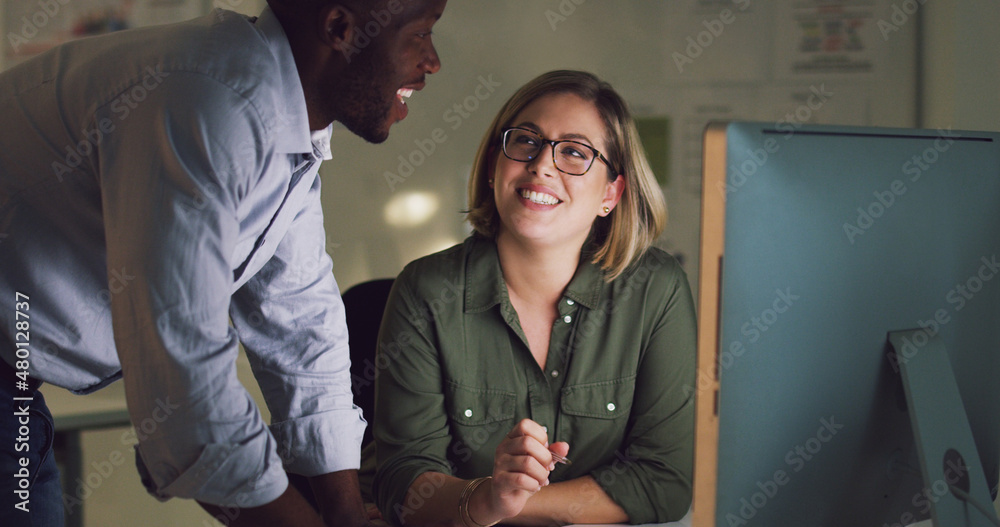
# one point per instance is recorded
(570, 302)
(611, 407)
(555, 373)
(468, 412)
(567, 319)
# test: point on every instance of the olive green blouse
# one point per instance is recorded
(455, 375)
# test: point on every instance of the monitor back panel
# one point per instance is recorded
(830, 237)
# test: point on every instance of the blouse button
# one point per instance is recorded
(570, 302)
(555, 373)
(611, 407)
(567, 319)
(468, 412)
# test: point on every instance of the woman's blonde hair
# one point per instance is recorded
(617, 240)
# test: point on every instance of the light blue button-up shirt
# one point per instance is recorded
(156, 185)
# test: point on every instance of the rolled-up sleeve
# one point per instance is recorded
(172, 179)
(291, 321)
(652, 480)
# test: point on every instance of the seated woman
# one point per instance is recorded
(554, 330)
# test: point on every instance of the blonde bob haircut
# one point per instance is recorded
(617, 240)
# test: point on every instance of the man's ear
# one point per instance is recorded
(337, 26)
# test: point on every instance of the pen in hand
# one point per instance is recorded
(556, 457)
(560, 459)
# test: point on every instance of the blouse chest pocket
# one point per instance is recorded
(476, 406)
(601, 400)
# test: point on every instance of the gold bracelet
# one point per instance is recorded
(463, 503)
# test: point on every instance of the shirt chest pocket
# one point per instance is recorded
(476, 406)
(600, 400)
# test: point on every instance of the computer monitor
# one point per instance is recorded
(817, 242)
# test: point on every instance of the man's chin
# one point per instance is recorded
(377, 139)
(368, 132)
(371, 135)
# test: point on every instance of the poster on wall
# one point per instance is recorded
(823, 37)
(30, 28)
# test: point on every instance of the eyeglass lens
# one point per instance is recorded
(570, 156)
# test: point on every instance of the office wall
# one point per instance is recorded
(961, 65)
(683, 62)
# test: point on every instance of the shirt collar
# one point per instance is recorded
(292, 134)
(586, 286)
(485, 288)
(321, 142)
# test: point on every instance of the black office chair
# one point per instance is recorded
(364, 304)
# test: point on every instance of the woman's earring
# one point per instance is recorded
(607, 210)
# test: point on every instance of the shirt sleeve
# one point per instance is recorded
(290, 318)
(411, 426)
(652, 480)
(172, 176)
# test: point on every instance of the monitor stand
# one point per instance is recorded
(949, 460)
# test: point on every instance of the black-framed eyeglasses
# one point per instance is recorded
(570, 157)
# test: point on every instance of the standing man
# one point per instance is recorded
(159, 203)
